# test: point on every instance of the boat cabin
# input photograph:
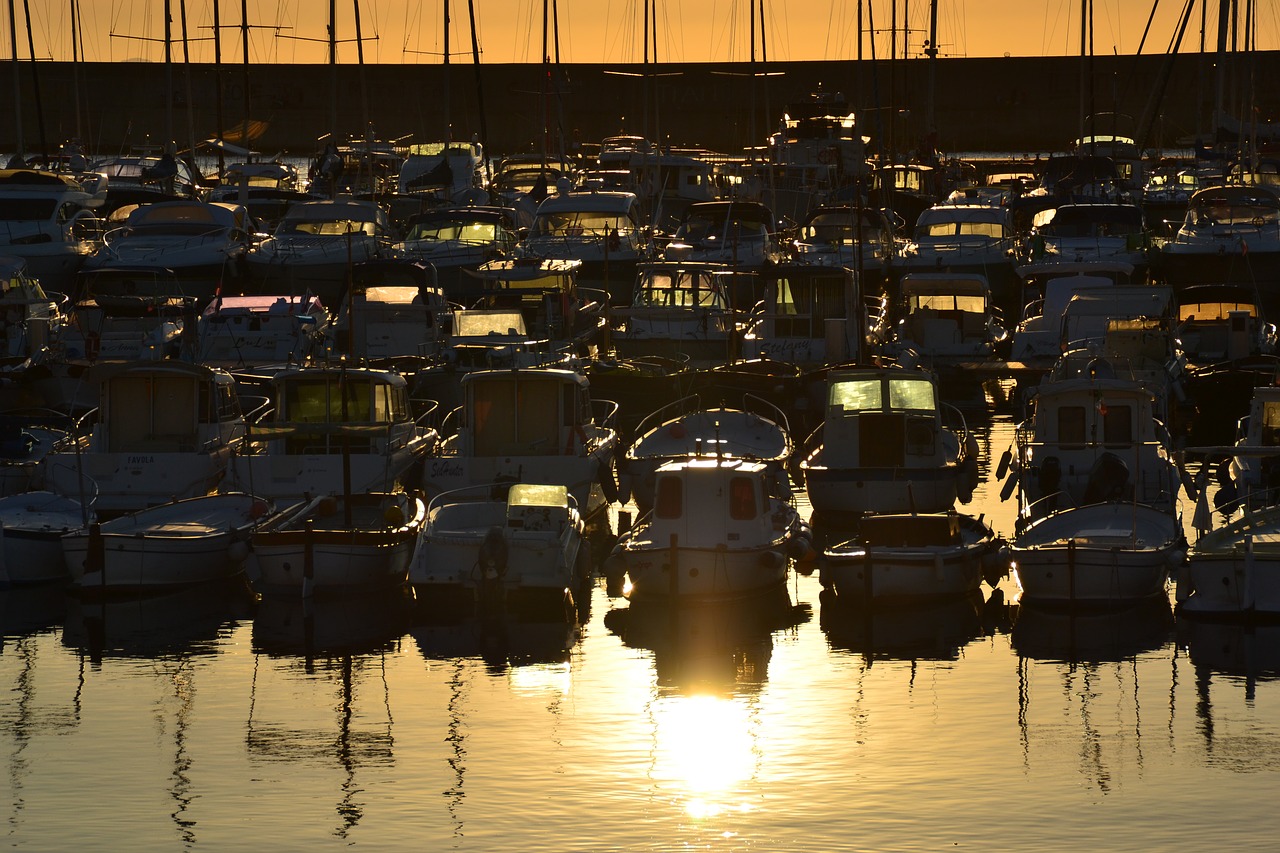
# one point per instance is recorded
(811, 315)
(327, 410)
(882, 417)
(707, 502)
(256, 330)
(948, 314)
(910, 531)
(29, 319)
(1222, 322)
(392, 308)
(539, 412)
(1089, 313)
(166, 407)
(546, 295)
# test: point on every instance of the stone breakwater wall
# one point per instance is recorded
(997, 104)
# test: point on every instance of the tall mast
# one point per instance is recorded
(217, 84)
(932, 52)
(448, 86)
(75, 64)
(186, 67)
(475, 59)
(333, 67)
(17, 82)
(244, 59)
(35, 82)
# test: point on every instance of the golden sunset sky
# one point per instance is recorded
(611, 31)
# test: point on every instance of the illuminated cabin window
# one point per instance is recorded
(742, 499)
(670, 498)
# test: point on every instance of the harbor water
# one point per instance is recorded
(208, 720)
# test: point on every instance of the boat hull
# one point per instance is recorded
(1236, 584)
(882, 490)
(684, 573)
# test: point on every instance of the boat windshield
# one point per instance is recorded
(967, 302)
(855, 395)
(460, 230)
(579, 224)
(912, 394)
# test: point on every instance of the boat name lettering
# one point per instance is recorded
(140, 460)
(446, 469)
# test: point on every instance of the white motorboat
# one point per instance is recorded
(1092, 231)
(813, 316)
(458, 238)
(1231, 234)
(1234, 571)
(602, 229)
(948, 318)
(1037, 340)
(127, 314)
(334, 429)
(757, 430)
(31, 320)
(847, 237)
(963, 238)
(202, 244)
(32, 525)
(1098, 554)
(522, 548)
(718, 529)
(452, 172)
(1223, 322)
(180, 543)
(393, 308)
(679, 309)
(338, 543)
(165, 430)
(911, 558)
(884, 446)
(1253, 472)
(256, 331)
(23, 446)
(314, 247)
(537, 425)
(49, 221)
(1090, 438)
(737, 234)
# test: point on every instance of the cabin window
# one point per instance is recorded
(742, 499)
(912, 394)
(1271, 424)
(857, 395)
(669, 499)
(1117, 424)
(1071, 428)
(228, 403)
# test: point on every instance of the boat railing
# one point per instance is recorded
(604, 414)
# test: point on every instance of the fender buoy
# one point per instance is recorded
(608, 482)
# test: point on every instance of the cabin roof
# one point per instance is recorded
(593, 201)
(945, 282)
(217, 214)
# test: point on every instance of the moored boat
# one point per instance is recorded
(338, 543)
(180, 543)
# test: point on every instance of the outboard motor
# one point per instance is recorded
(1108, 479)
(1050, 475)
(492, 565)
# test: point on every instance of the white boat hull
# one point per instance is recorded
(909, 574)
(373, 550)
(31, 529)
(704, 573)
(1099, 554)
(1230, 585)
(882, 490)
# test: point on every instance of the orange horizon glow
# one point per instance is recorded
(612, 31)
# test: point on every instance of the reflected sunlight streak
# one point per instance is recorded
(705, 745)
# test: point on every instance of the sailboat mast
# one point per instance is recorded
(333, 67)
(1224, 17)
(244, 58)
(75, 64)
(35, 82)
(186, 67)
(17, 82)
(448, 86)
(475, 60)
(217, 84)
(932, 52)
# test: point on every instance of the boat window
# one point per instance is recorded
(1117, 424)
(669, 500)
(228, 402)
(1071, 428)
(857, 395)
(742, 499)
(27, 209)
(1271, 424)
(950, 302)
(912, 394)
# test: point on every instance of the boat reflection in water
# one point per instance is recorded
(184, 622)
(1049, 633)
(718, 647)
(934, 629)
(364, 622)
(30, 609)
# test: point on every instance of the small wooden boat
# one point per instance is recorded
(915, 557)
(336, 543)
(32, 525)
(525, 544)
(180, 543)
(1100, 554)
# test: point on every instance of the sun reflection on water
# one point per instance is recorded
(705, 750)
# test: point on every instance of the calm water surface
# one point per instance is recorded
(206, 721)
